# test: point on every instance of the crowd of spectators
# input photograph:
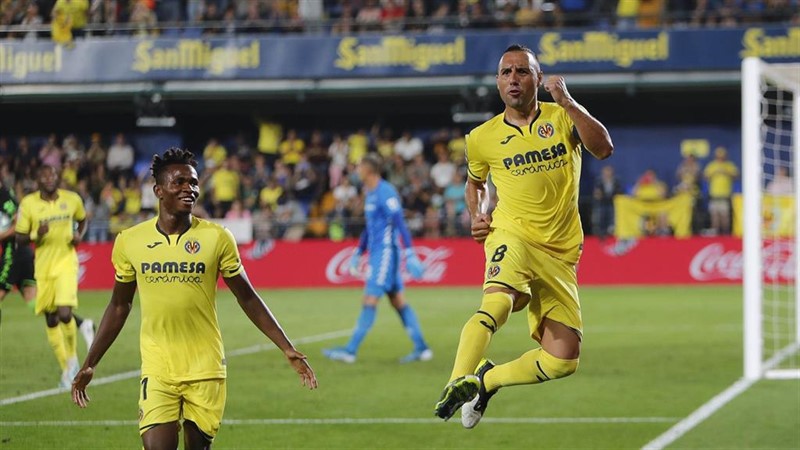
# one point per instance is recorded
(293, 184)
(290, 184)
(29, 19)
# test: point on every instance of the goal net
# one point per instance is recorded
(771, 180)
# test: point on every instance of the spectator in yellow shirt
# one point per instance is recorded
(224, 187)
(292, 149)
(76, 12)
(456, 146)
(214, 154)
(650, 189)
(61, 27)
(270, 195)
(359, 146)
(720, 174)
(132, 193)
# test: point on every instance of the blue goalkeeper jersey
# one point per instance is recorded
(385, 227)
(385, 223)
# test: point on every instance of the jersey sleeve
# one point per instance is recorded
(477, 168)
(571, 134)
(124, 272)
(230, 264)
(24, 219)
(80, 211)
(394, 210)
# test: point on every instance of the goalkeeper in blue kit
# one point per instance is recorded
(385, 226)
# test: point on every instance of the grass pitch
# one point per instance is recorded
(651, 356)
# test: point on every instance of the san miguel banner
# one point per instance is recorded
(459, 262)
(409, 55)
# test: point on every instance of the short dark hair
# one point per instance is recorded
(521, 48)
(373, 160)
(44, 167)
(172, 155)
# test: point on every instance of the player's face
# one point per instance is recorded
(518, 79)
(48, 180)
(179, 190)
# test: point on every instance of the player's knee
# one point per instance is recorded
(64, 315)
(555, 368)
(51, 320)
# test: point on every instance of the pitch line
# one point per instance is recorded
(135, 373)
(355, 421)
(699, 415)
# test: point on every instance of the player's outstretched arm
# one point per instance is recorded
(113, 320)
(262, 317)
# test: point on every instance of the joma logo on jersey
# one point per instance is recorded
(545, 130)
(533, 156)
(173, 267)
(508, 138)
(192, 247)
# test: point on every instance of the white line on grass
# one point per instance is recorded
(135, 373)
(352, 421)
(699, 415)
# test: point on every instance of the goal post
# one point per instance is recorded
(770, 153)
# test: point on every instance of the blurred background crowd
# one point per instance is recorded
(296, 183)
(64, 20)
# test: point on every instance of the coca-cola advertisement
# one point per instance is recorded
(680, 261)
(459, 262)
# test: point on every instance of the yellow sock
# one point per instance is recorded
(478, 331)
(535, 366)
(56, 339)
(70, 331)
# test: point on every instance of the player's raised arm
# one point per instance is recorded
(113, 320)
(593, 134)
(262, 317)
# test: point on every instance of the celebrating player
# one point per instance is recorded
(532, 239)
(54, 219)
(175, 260)
(385, 225)
(16, 267)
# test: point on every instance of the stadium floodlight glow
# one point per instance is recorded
(770, 143)
(155, 122)
(472, 117)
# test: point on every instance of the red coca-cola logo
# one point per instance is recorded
(715, 262)
(434, 260)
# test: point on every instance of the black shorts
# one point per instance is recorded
(16, 268)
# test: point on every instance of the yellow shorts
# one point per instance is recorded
(162, 401)
(550, 283)
(52, 292)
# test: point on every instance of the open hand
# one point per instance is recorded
(82, 379)
(300, 365)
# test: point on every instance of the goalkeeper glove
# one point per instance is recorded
(413, 264)
(354, 261)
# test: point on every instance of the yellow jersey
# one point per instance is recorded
(720, 176)
(177, 280)
(536, 170)
(54, 251)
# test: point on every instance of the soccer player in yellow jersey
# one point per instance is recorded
(533, 237)
(175, 260)
(54, 219)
